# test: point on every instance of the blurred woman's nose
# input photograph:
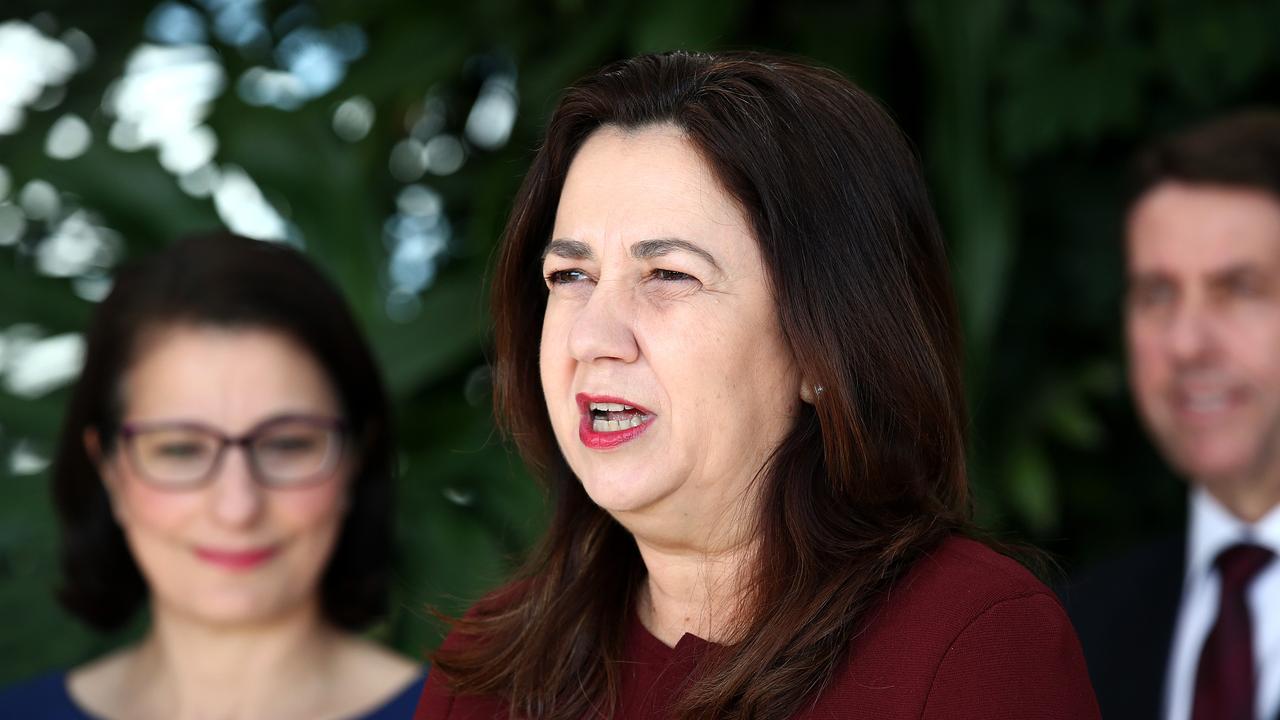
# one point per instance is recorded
(603, 328)
(237, 499)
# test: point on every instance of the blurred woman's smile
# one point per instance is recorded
(226, 463)
(186, 541)
(237, 560)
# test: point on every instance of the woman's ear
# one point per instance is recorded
(106, 471)
(809, 392)
(93, 447)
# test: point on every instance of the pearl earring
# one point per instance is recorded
(810, 393)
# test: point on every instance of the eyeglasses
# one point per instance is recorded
(284, 451)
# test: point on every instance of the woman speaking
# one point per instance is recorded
(726, 339)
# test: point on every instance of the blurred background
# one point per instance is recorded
(387, 138)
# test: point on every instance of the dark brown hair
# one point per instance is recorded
(1240, 150)
(868, 478)
(222, 280)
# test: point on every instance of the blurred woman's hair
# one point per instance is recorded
(1238, 150)
(222, 280)
(871, 475)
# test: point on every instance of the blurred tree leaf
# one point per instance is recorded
(1213, 50)
(675, 24)
(960, 44)
(1031, 487)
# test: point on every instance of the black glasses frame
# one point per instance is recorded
(130, 430)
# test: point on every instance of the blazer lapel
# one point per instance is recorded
(1124, 611)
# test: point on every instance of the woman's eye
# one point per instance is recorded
(671, 276)
(565, 277)
(180, 450)
(290, 444)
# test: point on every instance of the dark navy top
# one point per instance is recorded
(46, 698)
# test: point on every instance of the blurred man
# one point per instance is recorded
(1190, 630)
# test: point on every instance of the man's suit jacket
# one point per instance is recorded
(1124, 612)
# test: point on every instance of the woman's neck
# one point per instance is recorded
(696, 589)
(187, 665)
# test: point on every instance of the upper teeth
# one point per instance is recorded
(1207, 402)
(610, 407)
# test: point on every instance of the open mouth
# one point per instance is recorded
(608, 422)
(1206, 402)
(614, 417)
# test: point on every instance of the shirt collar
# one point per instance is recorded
(1213, 528)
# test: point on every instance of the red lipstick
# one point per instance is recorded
(608, 439)
(236, 559)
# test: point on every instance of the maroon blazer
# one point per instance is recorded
(966, 634)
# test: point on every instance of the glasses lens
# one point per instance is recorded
(175, 456)
(296, 451)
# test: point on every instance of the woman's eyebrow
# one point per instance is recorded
(658, 247)
(568, 249)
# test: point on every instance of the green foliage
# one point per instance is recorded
(1024, 114)
(674, 24)
(1034, 110)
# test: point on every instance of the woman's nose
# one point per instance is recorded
(604, 327)
(237, 498)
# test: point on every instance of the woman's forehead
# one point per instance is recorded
(229, 376)
(645, 185)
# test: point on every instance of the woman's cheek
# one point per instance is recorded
(314, 505)
(137, 504)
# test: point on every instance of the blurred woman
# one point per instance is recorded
(226, 462)
(727, 340)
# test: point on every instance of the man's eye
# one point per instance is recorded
(565, 277)
(1247, 287)
(1147, 295)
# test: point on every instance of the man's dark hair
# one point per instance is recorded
(222, 280)
(1239, 150)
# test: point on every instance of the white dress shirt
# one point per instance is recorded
(1211, 530)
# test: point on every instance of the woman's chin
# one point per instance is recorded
(624, 493)
(235, 609)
